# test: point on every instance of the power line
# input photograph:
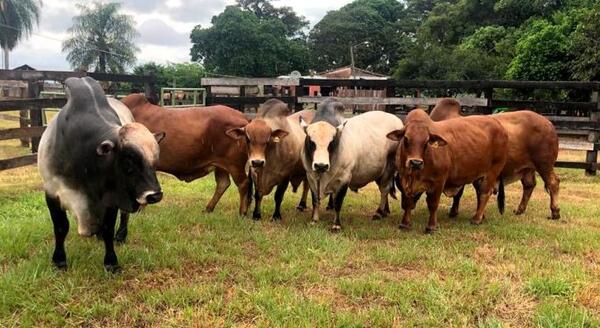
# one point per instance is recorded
(61, 41)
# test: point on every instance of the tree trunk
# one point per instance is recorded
(5, 48)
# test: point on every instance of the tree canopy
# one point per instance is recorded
(101, 39)
(17, 20)
(252, 39)
(182, 75)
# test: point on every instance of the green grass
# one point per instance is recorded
(183, 267)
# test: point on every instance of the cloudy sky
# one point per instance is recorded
(164, 27)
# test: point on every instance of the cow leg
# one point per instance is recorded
(316, 203)
(408, 204)
(484, 190)
(257, 215)
(121, 234)
(552, 183)
(330, 204)
(243, 183)
(433, 201)
(384, 209)
(339, 200)
(61, 229)
(302, 205)
(528, 182)
(456, 203)
(279, 192)
(223, 182)
(111, 263)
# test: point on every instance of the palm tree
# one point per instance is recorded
(17, 19)
(101, 39)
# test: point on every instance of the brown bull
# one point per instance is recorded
(436, 157)
(197, 144)
(274, 141)
(532, 146)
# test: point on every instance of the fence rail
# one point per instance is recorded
(33, 127)
(574, 119)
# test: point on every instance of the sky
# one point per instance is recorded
(164, 27)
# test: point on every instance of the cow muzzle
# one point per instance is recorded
(320, 167)
(415, 164)
(257, 163)
(150, 197)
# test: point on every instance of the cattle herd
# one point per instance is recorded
(99, 156)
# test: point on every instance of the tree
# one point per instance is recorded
(380, 22)
(101, 39)
(17, 19)
(241, 43)
(586, 46)
(263, 9)
(182, 75)
(543, 53)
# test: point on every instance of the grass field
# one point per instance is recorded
(183, 267)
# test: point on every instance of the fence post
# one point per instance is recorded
(23, 123)
(390, 92)
(488, 93)
(35, 112)
(149, 86)
(299, 93)
(592, 155)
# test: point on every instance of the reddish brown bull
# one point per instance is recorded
(196, 144)
(532, 146)
(436, 157)
(274, 141)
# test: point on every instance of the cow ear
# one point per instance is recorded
(436, 140)
(341, 127)
(159, 136)
(396, 135)
(236, 133)
(105, 147)
(303, 123)
(278, 134)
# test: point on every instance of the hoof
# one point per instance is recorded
(404, 226)
(256, 216)
(301, 207)
(555, 216)
(519, 211)
(336, 228)
(377, 216)
(121, 237)
(112, 268)
(476, 222)
(430, 230)
(209, 210)
(313, 222)
(60, 265)
(453, 214)
(276, 217)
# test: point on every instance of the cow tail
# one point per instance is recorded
(393, 189)
(501, 196)
(250, 188)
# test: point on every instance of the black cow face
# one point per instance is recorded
(134, 159)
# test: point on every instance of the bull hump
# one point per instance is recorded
(86, 97)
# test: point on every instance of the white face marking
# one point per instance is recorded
(139, 136)
(321, 133)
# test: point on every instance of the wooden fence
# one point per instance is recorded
(577, 122)
(34, 104)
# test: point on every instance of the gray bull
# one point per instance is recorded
(94, 161)
(339, 154)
